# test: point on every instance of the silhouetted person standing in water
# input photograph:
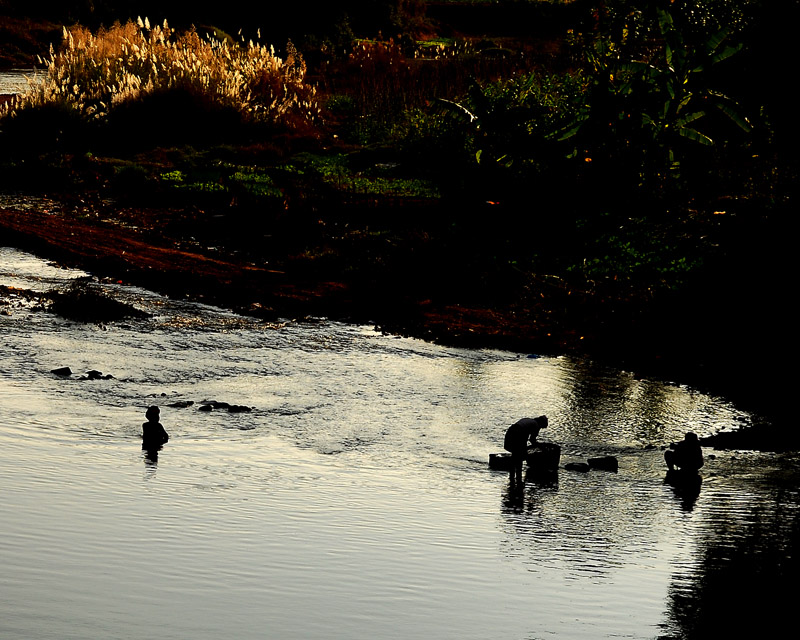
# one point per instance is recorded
(687, 455)
(153, 433)
(516, 441)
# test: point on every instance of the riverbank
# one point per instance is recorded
(130, 245)
(24, 40)
(141, 255)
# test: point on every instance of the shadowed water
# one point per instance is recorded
(354, 500)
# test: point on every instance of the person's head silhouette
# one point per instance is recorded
(152, 414)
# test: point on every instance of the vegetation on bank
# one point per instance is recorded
(627, 160)
(629, 115)
(147, 81)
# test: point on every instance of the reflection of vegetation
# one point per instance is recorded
(742, 585)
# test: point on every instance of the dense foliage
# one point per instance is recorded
(637, 98)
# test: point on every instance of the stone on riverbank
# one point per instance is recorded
(92, 374)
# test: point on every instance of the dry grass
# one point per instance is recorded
(93, 74)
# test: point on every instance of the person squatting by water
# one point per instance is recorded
(516, 441)
(687, 454)
(153, 433)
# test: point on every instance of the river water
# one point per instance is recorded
(354, 500)
(13, 81)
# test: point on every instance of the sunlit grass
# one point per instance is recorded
(94, 73)
(223, 177)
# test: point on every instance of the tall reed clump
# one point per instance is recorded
(95, 75)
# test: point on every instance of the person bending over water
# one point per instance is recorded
(687, 455)
(153, 433)
(516, 441)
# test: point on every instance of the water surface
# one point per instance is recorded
(354, 500)
(14, 81)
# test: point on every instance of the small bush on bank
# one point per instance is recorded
(137, 76)
(377, 85)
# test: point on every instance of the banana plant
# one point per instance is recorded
(647, 107)
(685, 98)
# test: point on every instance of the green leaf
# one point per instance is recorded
(726, 53)
(568, 132)
(723, 104)
(696, 136)
(458, 108)
(714, 41)
(691, 117)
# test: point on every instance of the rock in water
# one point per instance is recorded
(239, 408)
(83, 302)
(545, 456)
(604, 463)
(583, 467)
(500, 461)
